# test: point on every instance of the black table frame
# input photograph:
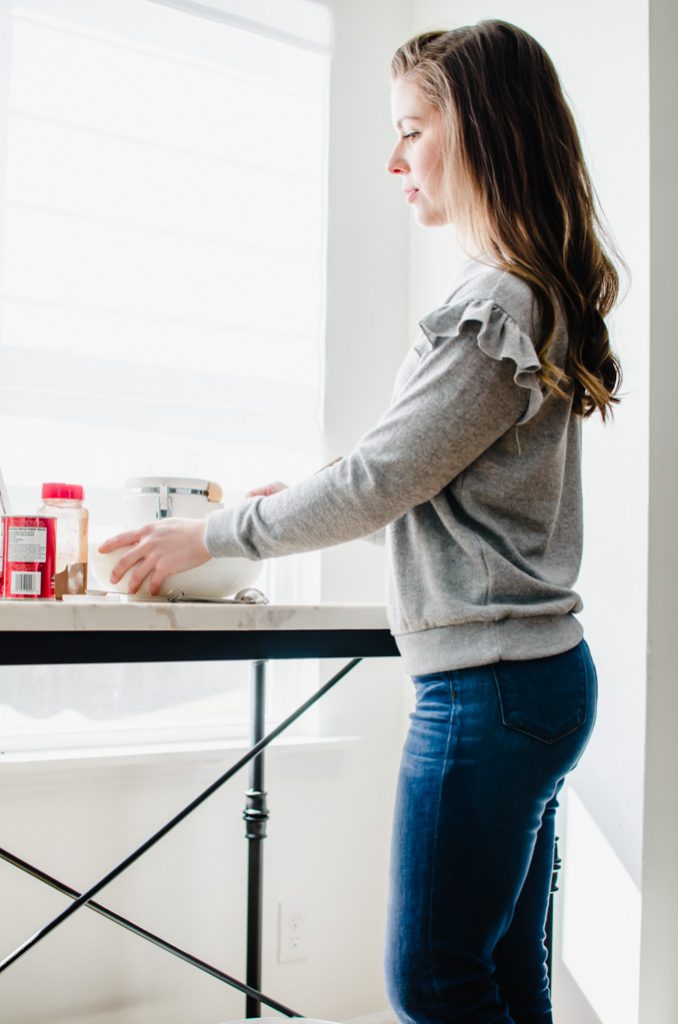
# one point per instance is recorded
(258, 647)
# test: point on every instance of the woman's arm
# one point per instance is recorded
(455, 405)
(457, 402)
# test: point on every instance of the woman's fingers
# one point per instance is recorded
(267, 489)
(143, 570)
(156, 583)
(121, 540)
(158, 550)
(137, 577)
(136, 554)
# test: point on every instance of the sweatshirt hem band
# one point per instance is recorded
(470, 644)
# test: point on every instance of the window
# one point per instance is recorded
(162, 223)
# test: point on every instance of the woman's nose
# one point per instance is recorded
(395, 163)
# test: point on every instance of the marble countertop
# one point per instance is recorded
(111, 613)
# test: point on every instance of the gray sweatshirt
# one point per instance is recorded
(474, 472)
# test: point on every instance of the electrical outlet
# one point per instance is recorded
(292, 931)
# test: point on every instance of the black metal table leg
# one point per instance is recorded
(256, 816)
(84, 898)
(144, 933)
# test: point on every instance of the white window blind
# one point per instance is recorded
(162, 249)
(162, 245)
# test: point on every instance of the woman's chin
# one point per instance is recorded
(428, 218)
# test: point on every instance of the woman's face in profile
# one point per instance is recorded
(417, 156)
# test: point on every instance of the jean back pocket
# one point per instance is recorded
(546, 698)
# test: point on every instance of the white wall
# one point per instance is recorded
(367, 302)
(326, 847)
(659, 982)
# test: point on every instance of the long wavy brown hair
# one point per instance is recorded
(513, 144)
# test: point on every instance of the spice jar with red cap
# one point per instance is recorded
(65, 501)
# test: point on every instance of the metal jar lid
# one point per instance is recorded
(171, 484)
(165, 487)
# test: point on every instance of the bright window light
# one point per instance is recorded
(162, 269)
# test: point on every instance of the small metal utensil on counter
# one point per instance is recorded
(248, 595)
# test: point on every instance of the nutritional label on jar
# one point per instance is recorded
(26, 544)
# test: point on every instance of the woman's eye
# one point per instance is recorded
(411, 135)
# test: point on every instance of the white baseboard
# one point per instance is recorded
(382, 1017)
(123, 1014)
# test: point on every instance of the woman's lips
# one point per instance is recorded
(411, 194)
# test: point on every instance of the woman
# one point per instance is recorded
(473, 474)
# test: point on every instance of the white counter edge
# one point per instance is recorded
(120, 615)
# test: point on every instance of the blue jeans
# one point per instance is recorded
(486, 755)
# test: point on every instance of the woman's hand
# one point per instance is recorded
(278, 485)
(267, 489)
(159, 550)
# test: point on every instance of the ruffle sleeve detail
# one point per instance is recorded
(498, 336)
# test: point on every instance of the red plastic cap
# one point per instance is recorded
(72, 491)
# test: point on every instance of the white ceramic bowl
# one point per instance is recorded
(220, 577)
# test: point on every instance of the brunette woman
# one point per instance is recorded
(473, 478)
